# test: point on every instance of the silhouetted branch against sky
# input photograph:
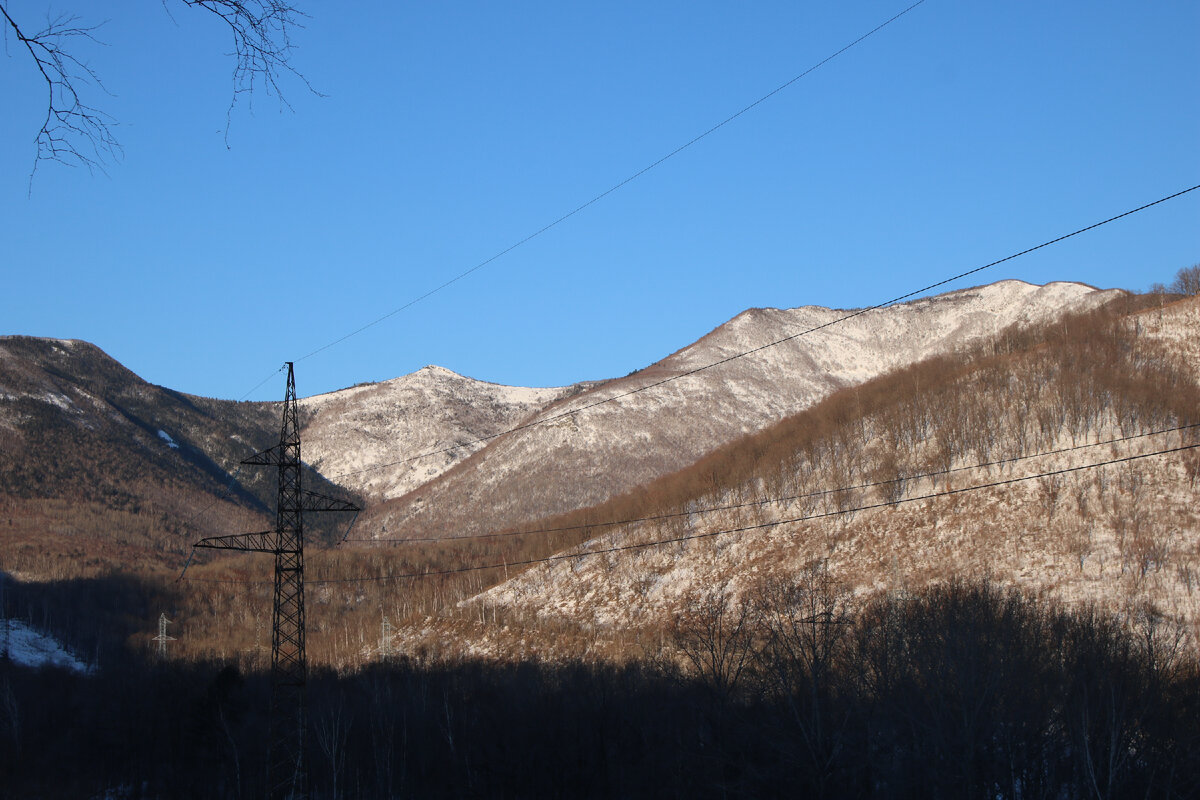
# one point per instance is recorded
(921, 142)
(76, 132)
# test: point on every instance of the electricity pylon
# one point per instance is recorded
(289, 667)
(162, 637)
(385, 639)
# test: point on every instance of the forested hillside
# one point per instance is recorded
(975, 574)
(101, 470)
(878, 485)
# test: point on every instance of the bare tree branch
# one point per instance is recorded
(76, 133)
(72, 133)
(262, 46)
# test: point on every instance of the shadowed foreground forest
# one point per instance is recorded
(960, 690)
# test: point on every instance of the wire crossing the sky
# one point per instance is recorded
(614, 187)
(848, 316)
(774, 500)
(721, 532)
(687, 373)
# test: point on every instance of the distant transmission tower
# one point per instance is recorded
(286, 776)
(385, 639)
(162, 637)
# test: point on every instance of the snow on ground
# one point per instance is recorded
(349, 434)
(29, 648)
(166, 437)
(1122, 537)
(1006, 534)
(760, 367)
(1177, 326)
(58, 399)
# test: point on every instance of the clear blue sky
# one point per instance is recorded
(961, 133)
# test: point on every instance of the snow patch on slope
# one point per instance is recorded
(29, 648)
(58, 399)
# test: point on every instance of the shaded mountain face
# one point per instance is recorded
(97, 463)
(76, 424)
(585, 453)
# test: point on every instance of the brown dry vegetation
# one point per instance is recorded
(806, 654)
(88, 485)
(1017, 395)
(1087, 377)
(1082, 379)
(1090, 376)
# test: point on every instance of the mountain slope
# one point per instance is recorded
(77, 423)
(585, 453)
(349, 433)
(1123, 536)
(100, 468)
(90, 485)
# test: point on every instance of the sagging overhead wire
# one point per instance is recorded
(764, 525)
(906, 478)
(806, 332)
(233, 479)
(721, 532)
(615, 186)
(263, 381)
(848, 316)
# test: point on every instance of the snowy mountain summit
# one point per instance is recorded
(399, 441)
(351, 432)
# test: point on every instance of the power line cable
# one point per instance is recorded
(228, 489)
(773, 500)
(258, 385)
(716, 533)
(759, 526)
(851, 315)
(728, 359)
(615, 187)
(760, 348)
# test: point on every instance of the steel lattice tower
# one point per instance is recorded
(385, 638)
(162, 637)
(286, 777)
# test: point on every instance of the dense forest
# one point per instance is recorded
(960, 690)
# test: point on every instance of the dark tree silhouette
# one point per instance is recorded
(76, 132)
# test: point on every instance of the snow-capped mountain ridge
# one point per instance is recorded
(349, 433)
(750, 372)
(1120, 538)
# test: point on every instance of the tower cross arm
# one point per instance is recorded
(267, 458)
(320, 502)
(262, 542)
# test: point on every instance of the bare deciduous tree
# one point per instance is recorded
(1187, 280)
(715, 634)
(75, 132)
(332, 728)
